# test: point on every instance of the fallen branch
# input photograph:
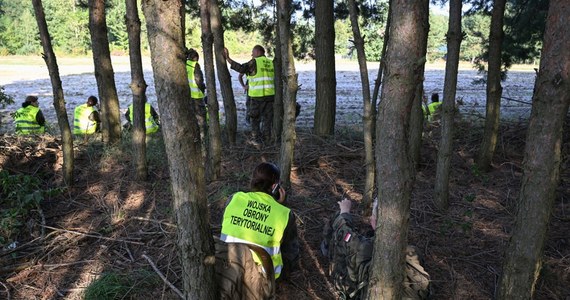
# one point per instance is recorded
(154, 221)
(92, 235)
(177, 291)
(7, 290)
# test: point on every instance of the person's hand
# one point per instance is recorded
(282, 195)
(345, 205)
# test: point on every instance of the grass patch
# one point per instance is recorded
(115, 285)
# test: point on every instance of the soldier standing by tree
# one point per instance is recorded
(197, 89)
(261, 90)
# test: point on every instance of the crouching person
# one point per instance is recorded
(258, 243)
(350, 256)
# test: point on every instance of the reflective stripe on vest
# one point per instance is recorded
(256, 218)
(195, 92)
(81, 122)
(149, 122)
(263, 82)
(25, 120)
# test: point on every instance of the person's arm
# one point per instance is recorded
(242, 82)
(153, 113)
(290, 247)
(248, 68)
(128, 115)
(199, 78)
(94, 116)
(40, 118)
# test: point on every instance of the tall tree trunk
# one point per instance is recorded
(138, 87)
(277, 127)
(417, 118)
(382, 66)
(104, 74)
(213, 166)
(370, 178)
(224, 76)
(58, 98)
(404, 61)
(454, 37)
(289, 134)
(183, 146)
(550, 103)
(367, 118)
(325, 106)
(494, 88)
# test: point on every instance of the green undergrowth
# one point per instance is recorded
(114, 285)
(19, 196)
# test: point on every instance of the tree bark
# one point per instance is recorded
(289, 134)
(367, 117)
(58, 98)
(417, 118)
(325, 76)
(277, 127)
(494, 88)
(213, 166)
(404, 60)
(454, 37)
(224, 77)
(523, 258)
(138, 87)
(104, 74)
(183, 146)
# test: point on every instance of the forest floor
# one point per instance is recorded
(101, 235)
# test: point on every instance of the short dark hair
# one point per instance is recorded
(192, 54)
(29, 100)
(92, 101)
(435, 97)
(260, 49)
(264, 176)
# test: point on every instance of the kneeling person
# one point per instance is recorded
(86, 117)
(151, 119)
(350, 255)
(259, 219)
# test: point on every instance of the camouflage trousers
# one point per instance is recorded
(261, 117)
(239, 277)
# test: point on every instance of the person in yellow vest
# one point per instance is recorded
(261, 89)
(29, 119)
(197, 90)
(245, 86)
(86, 117)
(433, 109)
(259, 218)
(151, 120)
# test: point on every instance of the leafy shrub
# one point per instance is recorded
(19, 194)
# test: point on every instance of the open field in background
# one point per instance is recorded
(22, 76)
(30, 67)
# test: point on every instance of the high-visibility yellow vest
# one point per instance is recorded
(256, 218)
(432, 110)
(434, 107)
(195, 92)
(81, 122)
(263, 82)
(25, 120)
(149, 122)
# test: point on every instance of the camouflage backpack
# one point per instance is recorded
(238, 276)
(350, 255)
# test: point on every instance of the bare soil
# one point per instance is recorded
(107, 221)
